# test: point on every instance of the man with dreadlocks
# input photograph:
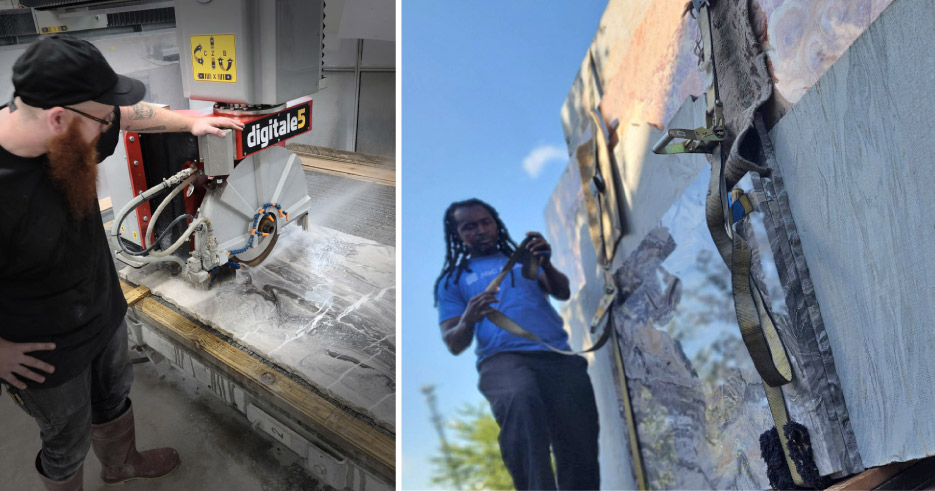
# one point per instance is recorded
(540, 398)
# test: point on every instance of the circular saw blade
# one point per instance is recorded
(273, 175)
(268, 229)
(266, 248)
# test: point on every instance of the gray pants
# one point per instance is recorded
(65, 413)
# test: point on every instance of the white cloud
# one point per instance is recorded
(541, 155)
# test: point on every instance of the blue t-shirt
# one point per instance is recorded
(522, 300)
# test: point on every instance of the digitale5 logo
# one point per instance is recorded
(275, 128)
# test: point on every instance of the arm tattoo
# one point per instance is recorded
(141, 110)
(153, 128)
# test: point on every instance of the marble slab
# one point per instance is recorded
(646, 62)
(696, 396)
(803, 38)
(806, 339)
(640, 68)
(644, 67)
(322, 306)
(698, 402)
(651, 186)
(856, 169)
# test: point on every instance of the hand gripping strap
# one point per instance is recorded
(530, 272)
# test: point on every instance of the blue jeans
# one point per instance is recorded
(65, 413)
(542, 399)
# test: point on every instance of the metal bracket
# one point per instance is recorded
(699, 140)
(704, 139)
(610, 293)
(607, 301)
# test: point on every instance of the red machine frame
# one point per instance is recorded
(135, 164)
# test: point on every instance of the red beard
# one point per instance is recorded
(73, 169)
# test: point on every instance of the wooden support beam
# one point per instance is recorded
(356, 438)
(360, 172)
(871, 478)
(126, 287)
(361, 166)
(920, 475)
(134, 295)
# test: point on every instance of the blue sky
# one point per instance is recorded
(482, 88)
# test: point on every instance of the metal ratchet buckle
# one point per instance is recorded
(698, 140)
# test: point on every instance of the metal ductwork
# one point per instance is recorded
(141, 17)
(17, 22)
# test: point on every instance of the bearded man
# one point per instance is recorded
(542, 400)
(63, 338)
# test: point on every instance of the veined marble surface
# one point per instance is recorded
(644, 68)
(857, 172)
(322, 306)
(697, 400)
(696, 396)
(650, 185)
(803, 38)
(645, 56)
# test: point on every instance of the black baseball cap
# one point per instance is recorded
(61, 70)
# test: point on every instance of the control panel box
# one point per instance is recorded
(249, 51)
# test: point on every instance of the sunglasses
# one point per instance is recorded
(104, 122)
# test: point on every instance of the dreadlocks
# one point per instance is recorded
(456, 253)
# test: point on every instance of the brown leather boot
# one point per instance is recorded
(71, 483)
(114, 443)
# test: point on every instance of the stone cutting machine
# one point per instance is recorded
(206, 202)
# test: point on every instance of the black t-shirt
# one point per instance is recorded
(58, 282)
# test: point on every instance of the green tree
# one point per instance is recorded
(475, 460)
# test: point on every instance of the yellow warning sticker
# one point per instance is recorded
(121, 229)
(53, 29)
(134, 234)
(214, 58)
